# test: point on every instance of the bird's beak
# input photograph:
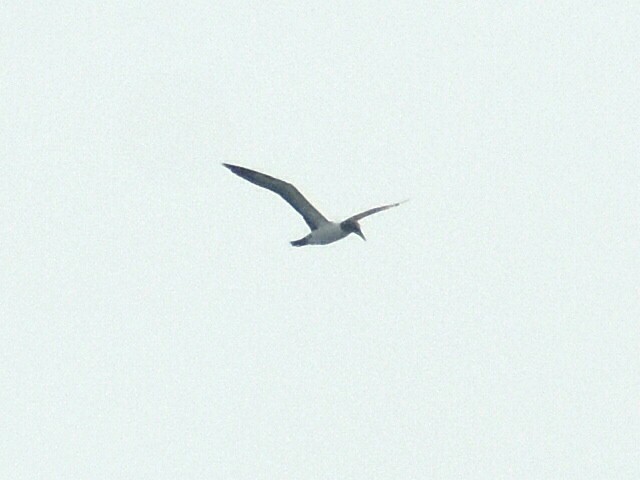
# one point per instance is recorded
(359, 232)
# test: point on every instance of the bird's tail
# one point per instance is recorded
(300, 243)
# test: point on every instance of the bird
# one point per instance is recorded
(323, 231)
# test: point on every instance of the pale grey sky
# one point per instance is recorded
(157, 324)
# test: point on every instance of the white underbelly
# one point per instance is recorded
(327, 233)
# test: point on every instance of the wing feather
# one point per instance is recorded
(288, 192)
(371, 211)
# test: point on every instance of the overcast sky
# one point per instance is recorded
(156, 323)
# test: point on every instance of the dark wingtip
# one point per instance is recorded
(235, 168)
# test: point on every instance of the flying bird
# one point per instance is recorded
(323, 231)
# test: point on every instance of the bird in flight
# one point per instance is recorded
(323, 231)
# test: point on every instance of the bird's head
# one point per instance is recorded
(352, 226)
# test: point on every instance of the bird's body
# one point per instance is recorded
(327, 233)
(323, 231)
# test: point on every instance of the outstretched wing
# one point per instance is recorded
(287, 191)
(360, 216)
